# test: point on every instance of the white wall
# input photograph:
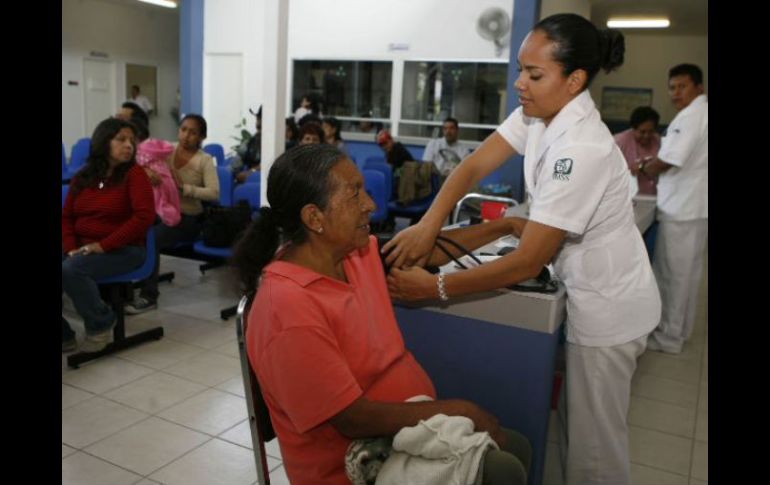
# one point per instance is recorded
(647, 61)
(128, 33)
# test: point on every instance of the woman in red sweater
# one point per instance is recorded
(105, 220)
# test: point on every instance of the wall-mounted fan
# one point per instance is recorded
(494, 24)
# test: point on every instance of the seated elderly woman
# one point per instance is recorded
(105, 219)
(322, 336)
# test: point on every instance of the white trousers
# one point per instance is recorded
(678, 267)
(598, 395)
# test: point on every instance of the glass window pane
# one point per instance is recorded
(345, 88)
(469, 91)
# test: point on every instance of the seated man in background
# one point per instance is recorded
(641, 143)
(322, 336)
(446, 152)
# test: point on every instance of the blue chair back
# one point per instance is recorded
(374, 159)
(143, 271)
(374, 181)
(217, 151)
(64, 191)
(249, 192)
(254, 177)
(416, 151)
(360, 150)
(80, 151)
(387, 171)
(225, 186)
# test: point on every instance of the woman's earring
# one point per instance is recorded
(320, 230)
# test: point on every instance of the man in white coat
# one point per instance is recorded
(682, 163)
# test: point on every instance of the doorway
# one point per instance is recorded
(146, 79)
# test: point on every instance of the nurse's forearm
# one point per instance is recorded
(539, 243)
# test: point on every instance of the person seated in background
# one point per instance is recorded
(196, 176)
(311, 134)
(292, 133)
(106, 215)
(332, 127)
(322, 335)
(309, 104)
(395, 153)
(641, 143)
(446, 152)
(250, 154)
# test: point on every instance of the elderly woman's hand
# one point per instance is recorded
(412, 284)
(410, 247)
(90, 248)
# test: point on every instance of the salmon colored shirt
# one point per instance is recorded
(318, 344)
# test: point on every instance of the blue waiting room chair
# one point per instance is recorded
(119, 287)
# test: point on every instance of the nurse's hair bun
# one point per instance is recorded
(612, 47)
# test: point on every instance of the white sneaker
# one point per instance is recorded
(139, 305)
(97, 341)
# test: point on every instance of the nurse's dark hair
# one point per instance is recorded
(300, 176)
(644, 113)
(580, 45)
(687, 70)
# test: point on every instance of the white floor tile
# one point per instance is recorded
(215, 463)
(72, 395)
(273, 448)
(552, 471)
(160, 353)
(95, 419)
(155, 392)
(240, 435)
(103, 374)
(660, 416)
(211, 412)
(695, 481)
(147, 481)
(702, 427)
(644, 475)
(666, 390)
(660, 450)
(663, 365)
(148, 445)
(233, 386)
(278, 476)
(83, 469)
(209, 369)
(229, 348)
(700, 461)
(66, 450)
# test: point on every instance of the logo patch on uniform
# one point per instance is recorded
(562, 168)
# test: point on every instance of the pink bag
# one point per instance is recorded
(152, 153)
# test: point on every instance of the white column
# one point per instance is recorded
(276, 28)
(396, 92)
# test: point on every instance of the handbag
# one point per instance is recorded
(223, 225)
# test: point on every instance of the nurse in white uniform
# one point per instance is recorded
(581, 219)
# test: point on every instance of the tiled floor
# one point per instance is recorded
(173, 411)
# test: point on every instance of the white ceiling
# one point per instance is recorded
(688, 17)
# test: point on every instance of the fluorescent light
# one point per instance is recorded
(638, 23)
(161, 3)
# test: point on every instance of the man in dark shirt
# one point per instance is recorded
(395, 153)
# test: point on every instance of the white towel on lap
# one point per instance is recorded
(442, 450)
